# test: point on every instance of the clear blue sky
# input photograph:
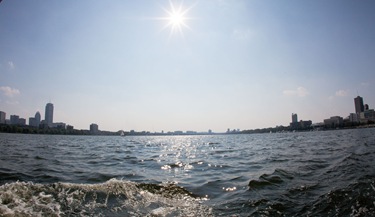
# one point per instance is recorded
(234, 64)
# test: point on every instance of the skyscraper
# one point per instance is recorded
(294, 118)
(37, 119)
(49, 114)
(358, 103)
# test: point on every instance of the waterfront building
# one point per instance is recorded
(22, 121)
(305, 124)
(301, 125)
(354, 118)
(14, 119)
(2, 117)
(94, 128)
(335, 121)
(32, 122)
(59, 125)
(49, 114)
(358, 103)
(368, 115)
(43, 125)
(35, 121)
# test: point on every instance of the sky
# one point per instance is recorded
(220, 64)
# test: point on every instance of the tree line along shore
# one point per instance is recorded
(5, 128)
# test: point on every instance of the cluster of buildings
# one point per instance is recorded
(363, 115)
(299, 125)
(37, 121)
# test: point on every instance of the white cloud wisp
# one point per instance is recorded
(9, 92)
(300, 92)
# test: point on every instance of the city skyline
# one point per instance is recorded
(363, 115)
(138, 66)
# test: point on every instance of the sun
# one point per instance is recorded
(176, 18)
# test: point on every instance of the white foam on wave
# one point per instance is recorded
(114, 197)
(20, 198)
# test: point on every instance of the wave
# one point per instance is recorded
(357, 199)
(284, 193)
(112, 198)
(276, 178)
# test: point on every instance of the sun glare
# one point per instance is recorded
(176, 18)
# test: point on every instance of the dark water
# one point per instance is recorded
(328, 173)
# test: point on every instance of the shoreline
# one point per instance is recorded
(14, 129)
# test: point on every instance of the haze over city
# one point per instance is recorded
(186, 65)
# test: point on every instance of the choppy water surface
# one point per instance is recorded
(328, 173)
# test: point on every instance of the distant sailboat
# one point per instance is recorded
(122, 133)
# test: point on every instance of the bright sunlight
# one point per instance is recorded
(176, 18)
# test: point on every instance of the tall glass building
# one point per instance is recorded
(358, 103)
(49, 114)
(37, 119)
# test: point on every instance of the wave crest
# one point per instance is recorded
(112, 198)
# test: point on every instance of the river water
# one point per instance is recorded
(328, 173)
